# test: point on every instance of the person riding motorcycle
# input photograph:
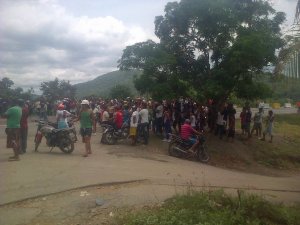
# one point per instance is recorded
(187, 135)
(118, 118)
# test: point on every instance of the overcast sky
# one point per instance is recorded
(76, 40)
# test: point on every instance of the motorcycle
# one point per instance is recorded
(111, 135)
(64, 139)
(180, 148)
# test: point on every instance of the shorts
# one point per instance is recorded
(192, 141)
(13, 137)
(269, 130)
(247, 127)
(86, 132)
(257, 126)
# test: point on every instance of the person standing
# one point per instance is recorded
(159, 118)
(133, 125)
(61, 117)
(13, 115)
(269, 126)
(86, 118)
(257, 119)
(231, 122)
(24, 128)
(248, 121)
(167, 126)
(144, 122)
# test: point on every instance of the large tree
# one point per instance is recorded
(208, 49)
(9, 93)
(57, 89)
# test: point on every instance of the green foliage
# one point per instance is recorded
(287, 88)
(215, 207)
(120, 92)
(102, 85)
(215, 48)
(10, 93)
(57, 89)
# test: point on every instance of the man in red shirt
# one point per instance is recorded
(24, 128)
(118, 118)
(186, 134)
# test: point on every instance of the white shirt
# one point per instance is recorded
(159, 111)
(220, 120)
(61, 115)
(134, 114)
(193, 121)
(144, 114)
(105, 116)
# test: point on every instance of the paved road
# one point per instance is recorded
(50, 172)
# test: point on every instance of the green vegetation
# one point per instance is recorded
(10, 93)
(120, 91)
(284, 153)
(57, 89)
(208, 50)
(102, 85)
(214, 208)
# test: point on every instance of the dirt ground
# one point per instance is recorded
(100, 204)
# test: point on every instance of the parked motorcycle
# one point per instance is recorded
(64, 139)
(111, 135)
(180, 148)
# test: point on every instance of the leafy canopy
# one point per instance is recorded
(9, 93)
(207, 49)
(57, 89)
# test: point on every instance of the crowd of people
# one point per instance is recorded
(183, 117)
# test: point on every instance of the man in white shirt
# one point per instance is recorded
(159, 118)
(143, 127)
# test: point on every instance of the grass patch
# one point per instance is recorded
(284, 153)
(214, 208)
(292, 119)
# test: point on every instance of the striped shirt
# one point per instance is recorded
(186, 131)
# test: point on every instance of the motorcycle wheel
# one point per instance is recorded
(172, 151)
(125, 132)
(202, 154)
(109, 138)
(67, 146)
(37, 141)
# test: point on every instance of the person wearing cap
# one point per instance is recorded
(13, 115)
(186, 134)
(86, 118)
(61, 117)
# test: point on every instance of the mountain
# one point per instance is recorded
(102, 85)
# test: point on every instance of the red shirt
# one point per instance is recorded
(24, 117)
(119, 119)
(186, 131)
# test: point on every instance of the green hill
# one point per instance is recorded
(102, 85)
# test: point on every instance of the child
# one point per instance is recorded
(269, 126)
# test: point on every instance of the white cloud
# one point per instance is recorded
(40, 40)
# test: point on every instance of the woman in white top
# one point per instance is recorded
(61, 117)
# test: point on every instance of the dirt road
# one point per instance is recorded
(117, 175)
